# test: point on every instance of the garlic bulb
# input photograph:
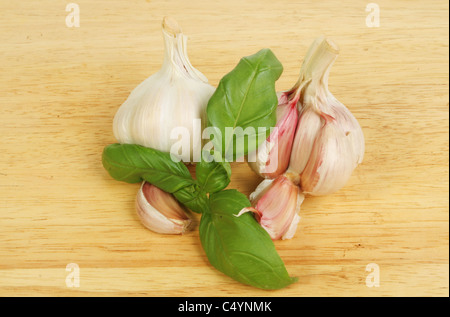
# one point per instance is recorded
(174, 97)
(160, 211)
(329, 142)
(276, 205)
(271, 159)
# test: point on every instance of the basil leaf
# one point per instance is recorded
(239, 246)
(245, 98)
(213, 176)
(193, 198)
(133, 163)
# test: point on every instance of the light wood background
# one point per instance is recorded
(60, 88)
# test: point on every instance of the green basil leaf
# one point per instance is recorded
(245, 98)
(213, 176)
(193, 198)
(133, 163)
(239, 246)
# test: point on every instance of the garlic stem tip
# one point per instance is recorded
(332, 46)
(171, 26)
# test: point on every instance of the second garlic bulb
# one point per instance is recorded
(329, 142)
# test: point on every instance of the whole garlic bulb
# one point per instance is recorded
(329, 142)
(176, 96)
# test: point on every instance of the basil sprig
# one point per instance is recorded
(236, 246)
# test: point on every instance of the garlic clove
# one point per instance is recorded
(160, 211)
(271, 159)
(330, 164)
(329, 142)
(276, 205)
(309, 125)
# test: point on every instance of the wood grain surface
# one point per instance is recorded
(60, 88)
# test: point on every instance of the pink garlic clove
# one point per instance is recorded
(271, 159)
(276, 206)
(330, 163)
(160, 211)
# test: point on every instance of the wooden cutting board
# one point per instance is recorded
(61, 214)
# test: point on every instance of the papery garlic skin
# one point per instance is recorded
(160, 211)
(271, 159)
(276, 205)
(329, 142)
(176, 96)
